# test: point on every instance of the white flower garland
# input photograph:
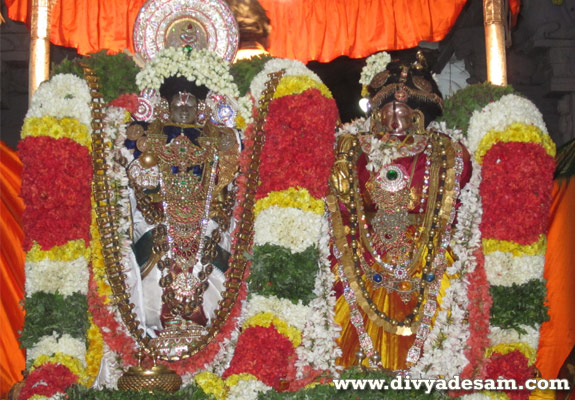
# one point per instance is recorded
(65, 95)
(500, 114)
(288, 227)
(504, 269)
(374, 64)
(284, 309)
(200, 66)
(247, 390)
(319, 348)
(51, 344)
(446, 357)
(354, 127)
(66, 277)
(499, 335)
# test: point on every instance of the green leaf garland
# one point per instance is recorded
(48, 312)
(457, 109)
(276, 271)
(518, 305)
(117, 72)
(243, 71)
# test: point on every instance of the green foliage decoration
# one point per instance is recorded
(243, 71)
(329, 392)
(276, 271)
(190, 392)
(457, 109)
(117, 72)
(518, 305)
(48, 312)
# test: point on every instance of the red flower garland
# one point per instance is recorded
(264, 353)
(513, 365)
(56, 187)
(47, 380)
(298, 148)
(479, 307)
(129, 101)
(516, 192)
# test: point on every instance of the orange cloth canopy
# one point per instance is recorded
(301, 29)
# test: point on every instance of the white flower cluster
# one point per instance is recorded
(354, 127)
(319, 348)
(245, 106)
(504, 269)
(66, 277)
(288, 227)
(294, 314)
(291, 67)
(247, 390)
(202, 66)
(65, 95)
(374, 64)
(499, 335)
(443, 352)
(454, 134)
(52, 344)
(500, 114)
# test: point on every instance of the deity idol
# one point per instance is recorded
(182, 199)
(394, 197)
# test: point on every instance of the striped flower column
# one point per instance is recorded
(511, 145)
(288, 336)
(56, 187)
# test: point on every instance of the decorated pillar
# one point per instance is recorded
(39, 44)
(495, 42)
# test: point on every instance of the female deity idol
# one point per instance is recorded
(394, 197)
(182, 200)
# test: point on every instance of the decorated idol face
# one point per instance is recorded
(396, 117)
(183, 108)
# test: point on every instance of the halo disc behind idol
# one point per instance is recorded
(197, 24)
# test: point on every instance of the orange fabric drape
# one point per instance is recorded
(323, 30)
(301, 29)
(11, 269)
(558, 334)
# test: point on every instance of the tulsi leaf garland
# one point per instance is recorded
(276, 271)
(48, 312)
(517, 305)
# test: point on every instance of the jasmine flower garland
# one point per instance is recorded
(65, 95)
(373, 65)
(200, 66)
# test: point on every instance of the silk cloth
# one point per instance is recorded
(12, 258)
(557, 336)
(301, 29)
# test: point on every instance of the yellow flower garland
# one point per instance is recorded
(95, 351)
(72, 363)
(298, 84)
(516, 132)
(98, 265)
(505, 348)
(267, 318)
(212, 384)
(57, 128)
(233, 380)
(293, 197)
(66, 252)
(518, 250)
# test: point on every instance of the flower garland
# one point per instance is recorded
(65, 95)
(200, 66)
(509, 139)
(52, 379)
(288, 225)
(57, 189)
(373, 65)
